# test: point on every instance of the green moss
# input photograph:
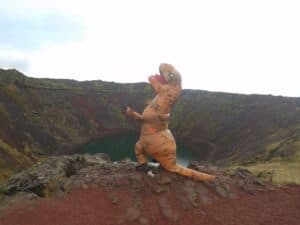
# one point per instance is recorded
(42, 160)
(52, 188)
(284, 173)
(282, 157)
(286, 170)
(14, 153)
(3, 111)
(5, 174)
(3, 190)
(273, 146)
(13, 93)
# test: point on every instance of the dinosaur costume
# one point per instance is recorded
(156, 139)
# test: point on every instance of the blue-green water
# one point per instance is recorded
(120, 147)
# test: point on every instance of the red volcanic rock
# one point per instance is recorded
(95, 206)
(99, 192)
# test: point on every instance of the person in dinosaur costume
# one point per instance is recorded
(156, 139)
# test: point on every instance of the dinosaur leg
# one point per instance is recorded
(169, 163)
(140, 153)
(165, 153)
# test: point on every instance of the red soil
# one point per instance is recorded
(95, 206)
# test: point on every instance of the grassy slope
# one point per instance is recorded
(280, 158)
(285, 171)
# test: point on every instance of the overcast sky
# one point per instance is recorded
(231, 46)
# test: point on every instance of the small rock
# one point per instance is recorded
(164, 180)
(150, 173)
(115, 200)
(249, 189)
(158, 189)
(189, 188)
(226, 187)
(94, 185)
(204, 194)
(166, 210)
(232, 196)
(222, 187)
(242, 172)
(271, 188)
(126, 160)
(266, 176)
(73, 184)
(221, 191)
(84, 186)
(202, 212)
(18, 197)
(144, 221)
(132, 214)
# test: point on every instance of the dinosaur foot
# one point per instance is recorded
(143, 168)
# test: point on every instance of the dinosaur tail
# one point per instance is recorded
(193, 173)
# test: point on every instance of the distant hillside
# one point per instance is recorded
(52, 116)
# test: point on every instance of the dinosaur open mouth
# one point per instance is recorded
(161, 79)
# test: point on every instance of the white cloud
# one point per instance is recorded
(232, 46)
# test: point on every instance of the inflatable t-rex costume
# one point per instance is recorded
(156, 139)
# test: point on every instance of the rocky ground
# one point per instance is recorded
(85, 189)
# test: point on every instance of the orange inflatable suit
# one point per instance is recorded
(156, 139)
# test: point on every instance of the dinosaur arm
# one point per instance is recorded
(130, 112)
(164, 117)
(137, 116)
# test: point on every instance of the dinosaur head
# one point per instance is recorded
(160, 79)
(168, 79)
(169, 75)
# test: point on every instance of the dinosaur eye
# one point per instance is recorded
(171, 75)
